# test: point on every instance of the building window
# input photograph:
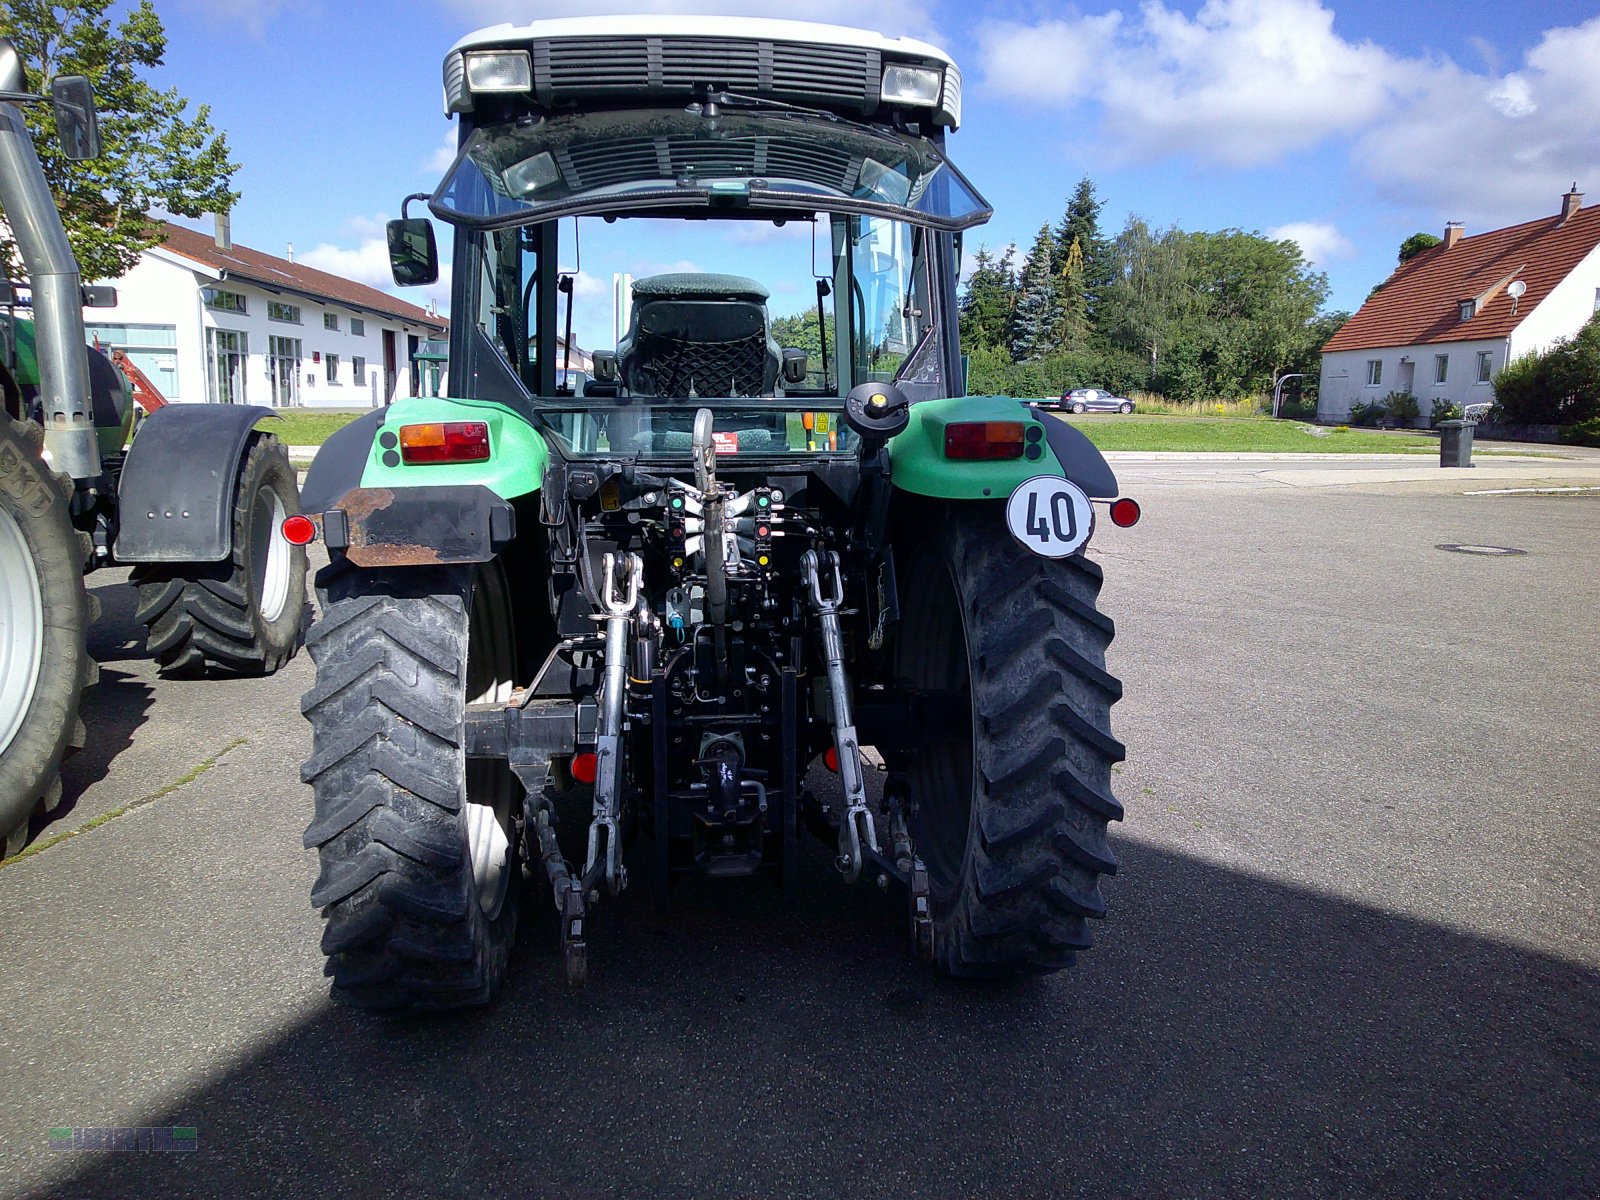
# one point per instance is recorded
(283, 370)
(358, 371)
(222, 301)
(358, 327)
(227, 351)
(1469, 309)
(152, 348)
(333, 367)
(277, 310)
(1483, 366)
(1597, 299)
(330, 321)
(1441, 367)
(1374, 372)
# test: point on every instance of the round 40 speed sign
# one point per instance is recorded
(1050, 515)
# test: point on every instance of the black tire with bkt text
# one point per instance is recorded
(244, 615)
(45, 612)
(1010, 807)
(418, 845)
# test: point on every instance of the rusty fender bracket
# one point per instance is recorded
(417, 527)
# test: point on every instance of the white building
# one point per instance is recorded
(210, 321)
(1445, 323)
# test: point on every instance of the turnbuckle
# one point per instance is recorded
(856, 831)
(619, 607)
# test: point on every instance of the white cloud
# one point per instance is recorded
(252, 16)
(1245, 83)
(1241, 83)
(444, 154)
(1319, 241)
(368, 262)
(1494, 151)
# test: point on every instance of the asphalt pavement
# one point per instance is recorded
(1353, 949)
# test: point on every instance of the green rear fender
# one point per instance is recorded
(517, 458)
(1051, 447)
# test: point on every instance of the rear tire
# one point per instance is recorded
(1010, 812)
(243, 616)
(418, 845)
(1079, 407)
(45, 612)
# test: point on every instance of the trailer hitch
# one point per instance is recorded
(857, 835)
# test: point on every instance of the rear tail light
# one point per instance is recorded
(585, 766)
(1125, 512)
(983, 439)
(445, 442)
(299, 531)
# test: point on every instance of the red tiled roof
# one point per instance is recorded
(1421, 301)
(243, 263)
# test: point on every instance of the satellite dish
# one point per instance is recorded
(1516, 288)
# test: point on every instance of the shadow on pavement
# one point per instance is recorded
(1229, 1036)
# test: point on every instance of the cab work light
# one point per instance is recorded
(499, 71)
(983, 439)
(912, 85)
(444, 442)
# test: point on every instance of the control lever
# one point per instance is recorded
(705, 478)
(857, 829)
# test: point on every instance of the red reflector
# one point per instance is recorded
(584, 767)
(1125, 512)
(983, 439)
(830, 759)
(299, 531)
(445, 442)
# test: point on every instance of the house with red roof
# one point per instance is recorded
(1443, 325)
(210, 321)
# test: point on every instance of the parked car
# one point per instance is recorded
(1089, 400)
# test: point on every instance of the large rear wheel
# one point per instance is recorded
(242, 616)
(1010, 801)
(45, 613)
(418, 843)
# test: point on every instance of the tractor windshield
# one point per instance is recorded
(540, 167)
(665, 257)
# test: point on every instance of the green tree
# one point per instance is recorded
(1417, 243)
(986, 304)
(1560, 386)
(1037, 312)
(1150, 297)
(1081, 224)
(155, 155)
(1072, 301)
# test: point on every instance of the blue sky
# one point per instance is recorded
(1347, 126)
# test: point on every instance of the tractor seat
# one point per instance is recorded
(694, 334)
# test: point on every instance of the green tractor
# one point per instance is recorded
(194, 503)
(587, 619)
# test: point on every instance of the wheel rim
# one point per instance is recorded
(491, 787)
(270, 553)
(21, 629)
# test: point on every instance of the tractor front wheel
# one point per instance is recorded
(45, 613)
(1008, 808)
(242, 616)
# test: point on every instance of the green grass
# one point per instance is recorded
(306, 427)
(181, 781)
(1243, 435)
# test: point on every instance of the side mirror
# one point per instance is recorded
(794, 366)
(99, 295)
(413, 254)
(76, 122)
(605, 366)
